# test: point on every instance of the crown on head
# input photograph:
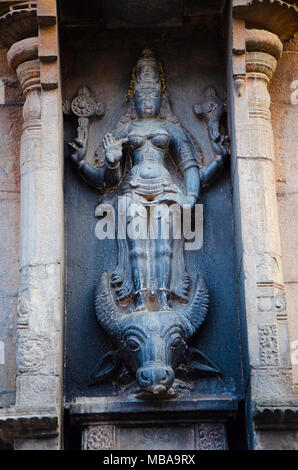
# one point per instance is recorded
(147, 73)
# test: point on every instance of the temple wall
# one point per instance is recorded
(284, 116)
(50, 339)
(10, 132)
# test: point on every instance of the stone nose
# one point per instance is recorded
(155, 379)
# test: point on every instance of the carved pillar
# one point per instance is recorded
(262, 293)
(40, 303)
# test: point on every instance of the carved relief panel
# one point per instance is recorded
(147, 319)
(204, 436)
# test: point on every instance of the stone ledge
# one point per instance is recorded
(16, 423)
(86, 411)
(277, 418)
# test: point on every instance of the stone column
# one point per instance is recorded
(40, 303)
(262, 292)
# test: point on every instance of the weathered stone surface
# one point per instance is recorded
(292, 44)
(10, 131)
(284, 115)
(286, 72)
(254, 182)
(292, 296)
(39, 305)
(37, 389)
(37, 444)
(272, 440)
(8, 347)
(9, 256)
(204, 436)
(287, 204)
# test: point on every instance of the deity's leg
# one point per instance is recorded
(163, 253)
(138, 259)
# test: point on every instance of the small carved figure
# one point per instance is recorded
(152, 161)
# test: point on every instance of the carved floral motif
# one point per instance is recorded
(211, 437)
(268, 345)
(33, 353)
(155, 439)
(100, 438)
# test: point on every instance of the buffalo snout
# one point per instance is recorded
(155, 379)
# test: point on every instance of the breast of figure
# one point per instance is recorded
(149, 145)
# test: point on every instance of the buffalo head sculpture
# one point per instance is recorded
(151, 344)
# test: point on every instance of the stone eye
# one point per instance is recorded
(132, 345)
(176, 342)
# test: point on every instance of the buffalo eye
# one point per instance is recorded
(176, 342)
(132, 345)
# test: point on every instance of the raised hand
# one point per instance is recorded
(79, 147)
(113, 149)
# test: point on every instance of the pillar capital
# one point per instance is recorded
(18, 21)
(277, 16)
(255, 54)
(29, 30)
(21, 51)
(23, 58)
(260, 40)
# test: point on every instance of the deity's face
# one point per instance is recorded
(148, 102)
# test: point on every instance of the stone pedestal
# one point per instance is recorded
(182, 424)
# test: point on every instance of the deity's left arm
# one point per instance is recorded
(214, 169)
(183, 150)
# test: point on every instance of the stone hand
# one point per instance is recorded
(225, 147)
(79, 147)
(191, 200)
(177, 199)
(113, 148)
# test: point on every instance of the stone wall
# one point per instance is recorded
(284, 121)
(10, 134)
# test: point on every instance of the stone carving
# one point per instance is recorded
(150, 305)
(239, 83)
(84, 107)
(210, 109)
(33, 353)
(36, 389)
(268, 345)
(100, 438)
(155, 439)
(211, 437)
(23, 310)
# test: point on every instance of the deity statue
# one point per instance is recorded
(151, 161)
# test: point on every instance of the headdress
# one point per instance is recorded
(147, 74)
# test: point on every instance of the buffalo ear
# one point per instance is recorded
(106, 367)
(200, 364)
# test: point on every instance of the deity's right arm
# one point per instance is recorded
(113, 152)
(92, 176)
(109, 172)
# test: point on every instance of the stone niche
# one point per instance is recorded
(99, 54)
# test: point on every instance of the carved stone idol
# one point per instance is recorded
(149, 305)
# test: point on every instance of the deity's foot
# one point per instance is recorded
(163, 302)
(140, 302)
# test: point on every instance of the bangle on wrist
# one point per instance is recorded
(192, 193)
(112, 166)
